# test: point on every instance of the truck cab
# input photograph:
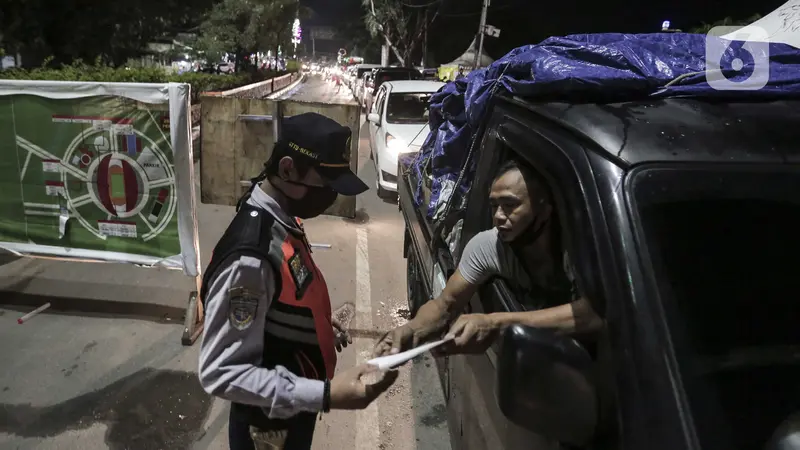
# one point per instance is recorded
(680, 217)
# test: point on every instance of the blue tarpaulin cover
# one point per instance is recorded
(585, 68)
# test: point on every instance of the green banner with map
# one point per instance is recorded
(95, 176)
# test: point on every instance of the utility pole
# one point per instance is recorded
(385, 53)
(385, 47)
(481, 32)
(425, 42)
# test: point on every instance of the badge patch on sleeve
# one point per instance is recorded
(242, 308)
(301, 274)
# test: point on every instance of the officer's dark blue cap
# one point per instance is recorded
(325, 144)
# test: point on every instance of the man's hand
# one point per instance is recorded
(341, 336)
(471, 333)
(348, 391)
(398, 340)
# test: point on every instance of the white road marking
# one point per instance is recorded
(367, 427)
(30, 212)
(16, 153)
(146, 222)
(158, 126)
(44, 154)
(162, 182)
(25, 166)
(84, 199)
(41, 205)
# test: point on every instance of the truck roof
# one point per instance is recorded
(683, 130)
(600, 75)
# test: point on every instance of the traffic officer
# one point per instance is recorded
(269, 338)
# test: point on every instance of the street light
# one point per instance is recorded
(666, 27)
(297, 34)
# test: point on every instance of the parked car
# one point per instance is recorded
(208, 68)
(358, 77)
(384, 74)
(430, 74)
(349, 77)
(226, 67)
(398, 125)
(365, 85)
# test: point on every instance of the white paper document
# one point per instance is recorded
(392, 361)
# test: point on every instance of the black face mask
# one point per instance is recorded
(530, 235)
(314, 203)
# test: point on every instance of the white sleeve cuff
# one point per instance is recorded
(308, 394)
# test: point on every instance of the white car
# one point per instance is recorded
(398, 124)
(358, 78)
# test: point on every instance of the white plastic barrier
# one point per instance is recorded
(99, 172)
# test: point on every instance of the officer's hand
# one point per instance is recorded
(395, 341)
(342, 336)
(349, 391)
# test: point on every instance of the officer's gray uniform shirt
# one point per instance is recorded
(231, 351)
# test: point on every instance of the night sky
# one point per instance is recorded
(530, 21)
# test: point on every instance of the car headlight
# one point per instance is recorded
(396, 145)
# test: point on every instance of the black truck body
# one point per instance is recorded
(678, 217)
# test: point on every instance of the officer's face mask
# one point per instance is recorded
(315, 201)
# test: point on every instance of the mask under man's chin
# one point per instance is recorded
(506, 235)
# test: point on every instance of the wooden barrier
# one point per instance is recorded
(237, 136)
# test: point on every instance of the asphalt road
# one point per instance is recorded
(104, 368)
(315, 89)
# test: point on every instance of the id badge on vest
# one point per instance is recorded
(301, 274)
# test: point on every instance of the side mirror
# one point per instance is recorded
(544, 385)
(374, 118)
(787, 436)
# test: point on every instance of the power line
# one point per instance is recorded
(478, 13)
(426, 5)
(470, 14)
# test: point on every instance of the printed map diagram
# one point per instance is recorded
(94, 173)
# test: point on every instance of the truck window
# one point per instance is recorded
(724, 251)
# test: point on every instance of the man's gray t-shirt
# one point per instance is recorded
(486, 256)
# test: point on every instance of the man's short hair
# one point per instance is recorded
(278, 152)
(538, 189)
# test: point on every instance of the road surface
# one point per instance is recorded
(113, 374)
(316, 89)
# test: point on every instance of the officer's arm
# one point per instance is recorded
(233, 344)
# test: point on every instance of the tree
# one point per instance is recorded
(402, 24)
(69, 30)
(355, 34)
(279, 18)
(726, 22)
(244, 27)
